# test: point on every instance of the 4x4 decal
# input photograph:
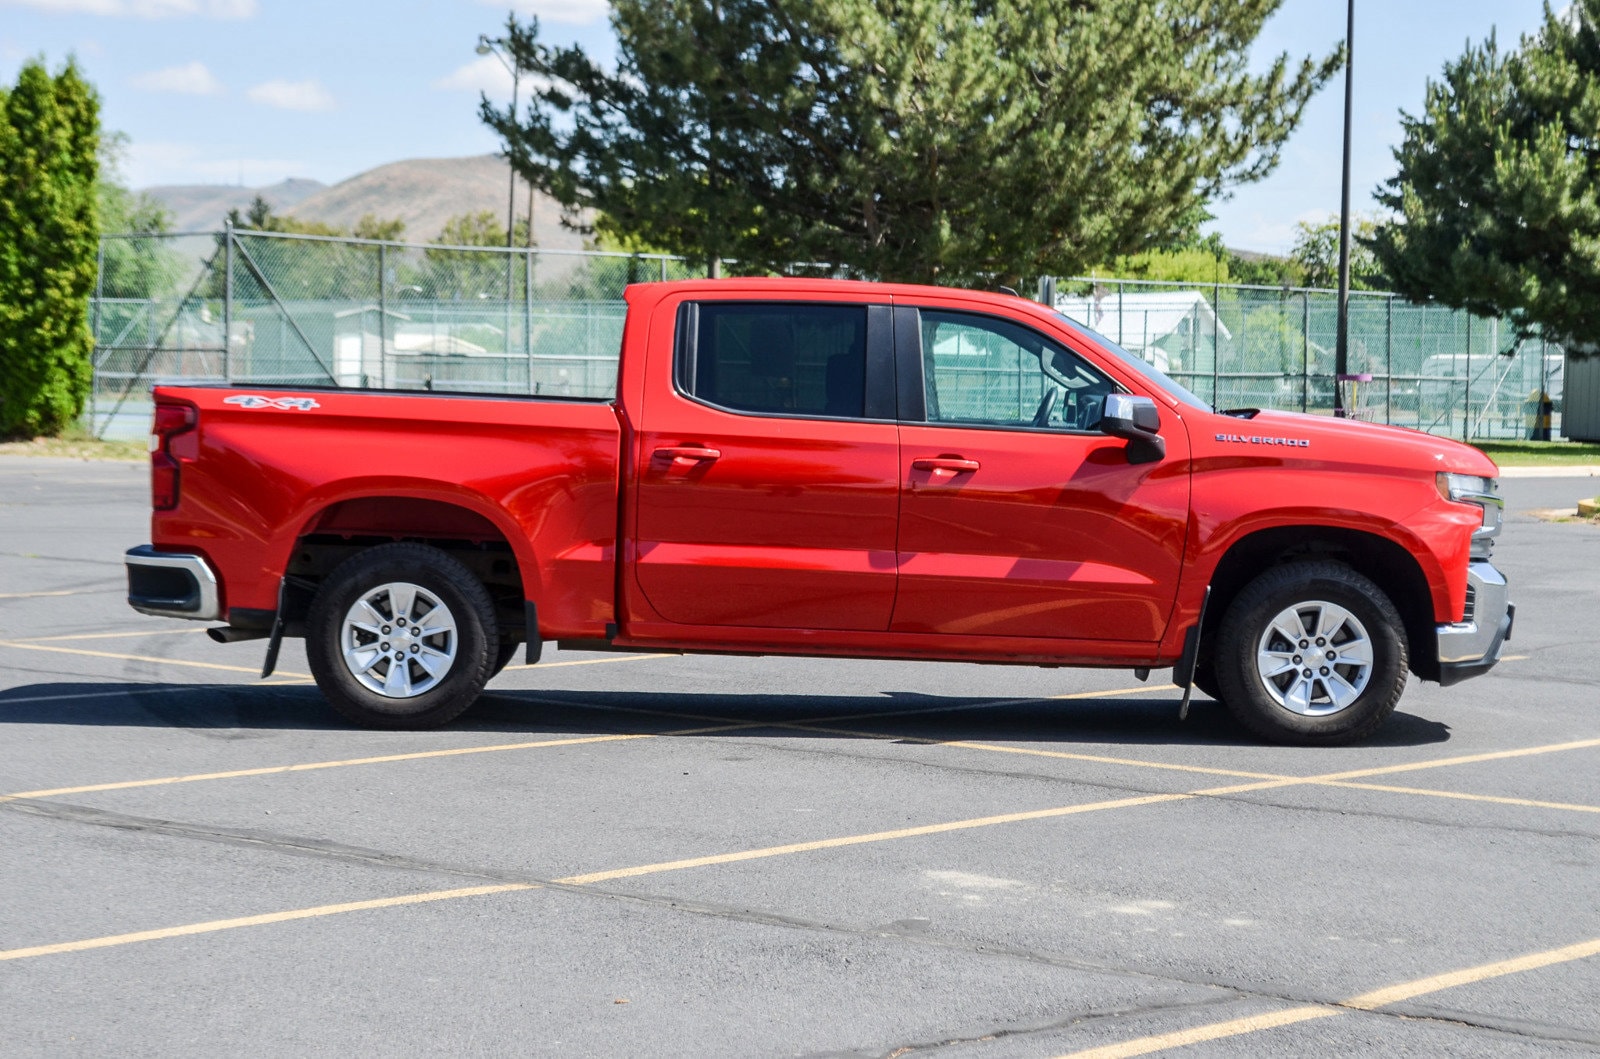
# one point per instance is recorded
(255, 400)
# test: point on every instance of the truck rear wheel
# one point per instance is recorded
(1311, 654)
(401, 636)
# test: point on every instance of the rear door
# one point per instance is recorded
(1018, 518)
(768, 466)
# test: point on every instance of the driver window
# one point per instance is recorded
(988, 371)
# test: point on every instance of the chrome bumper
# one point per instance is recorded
(171, 584)
(1471, 646)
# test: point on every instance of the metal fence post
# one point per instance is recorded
(383, 318)
(1466, 408)
(1216, 339)
(1305, 351)
(227, 302)
(94, 329)
(527, 316)
(1120, 339)
(1388, 361)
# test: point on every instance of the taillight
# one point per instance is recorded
(170, 421)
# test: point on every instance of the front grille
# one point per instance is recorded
(1472, 603)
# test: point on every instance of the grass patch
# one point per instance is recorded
(1540, 453)
(79, 444)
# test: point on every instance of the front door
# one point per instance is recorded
(1017, 517)
(768, 468)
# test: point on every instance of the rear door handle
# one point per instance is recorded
(688, 455)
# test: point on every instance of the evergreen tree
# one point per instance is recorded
(1498, 189)
(953, 141)
(49, 234)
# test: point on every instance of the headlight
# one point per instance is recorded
(1481, 493)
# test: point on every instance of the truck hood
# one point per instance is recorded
(1373, 443)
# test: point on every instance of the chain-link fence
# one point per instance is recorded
(264, 308)
(1415, 365)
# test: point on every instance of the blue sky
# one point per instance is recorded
(224, 91)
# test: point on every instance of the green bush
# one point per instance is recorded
(49, 233)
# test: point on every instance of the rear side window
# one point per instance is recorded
(808, 360)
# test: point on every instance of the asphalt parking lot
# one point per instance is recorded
(652, 855)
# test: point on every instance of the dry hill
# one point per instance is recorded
(426, 192)
(202, 207)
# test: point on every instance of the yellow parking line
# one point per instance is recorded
(962, 825)
(590, 661)
(1214, 1031)
(37, 595)
(1394, 994)
(141, 658)
(109, 635)
(859, 840)
(1274, 779)
(591, 878)
(312, 766)
(1372, 1001)
(1066, 755)
(1465, 759)
(1529, 803)
(718, 724)
(257, 921)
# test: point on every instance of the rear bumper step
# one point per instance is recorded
(171, 584)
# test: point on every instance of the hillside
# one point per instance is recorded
(202, 207)
(426, 192)
(423, 192)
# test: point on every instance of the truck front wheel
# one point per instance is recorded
(1311, 654)
(401, 636)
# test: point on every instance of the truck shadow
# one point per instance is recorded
(233, 711)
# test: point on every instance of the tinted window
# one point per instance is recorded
(787, 359)
(1142, 366)
(980, 369)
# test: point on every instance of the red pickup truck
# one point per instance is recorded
(831, 468)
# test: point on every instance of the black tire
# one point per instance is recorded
(475, 637)
(1245, 690)
(508, 651)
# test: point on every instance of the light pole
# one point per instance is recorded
(491, 46)
(1341, 354)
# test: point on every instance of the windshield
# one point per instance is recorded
(1150, 372)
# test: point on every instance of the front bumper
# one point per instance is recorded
(1471, 646)
(171, 584)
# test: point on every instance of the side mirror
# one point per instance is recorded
(1136, 420)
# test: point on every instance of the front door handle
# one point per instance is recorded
(688, 455)
(944, 466)
(941, 470)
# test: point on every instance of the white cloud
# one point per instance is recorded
(190, 79)
(486, 74)
(568, 12)
(292, 95)
(143, 8)
(150, 163)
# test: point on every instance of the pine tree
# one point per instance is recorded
(49, 235)
(951, 141)
(1498, 189)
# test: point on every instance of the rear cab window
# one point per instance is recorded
(775, 359)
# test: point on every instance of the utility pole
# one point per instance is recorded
(1341, 356)
(492, 46)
